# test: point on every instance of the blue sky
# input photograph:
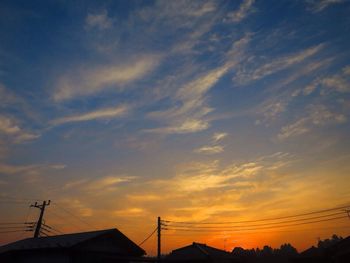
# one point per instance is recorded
(189, 109)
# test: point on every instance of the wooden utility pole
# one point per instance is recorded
(40, 220)
(159, 232)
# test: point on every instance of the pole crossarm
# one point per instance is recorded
(41, 216)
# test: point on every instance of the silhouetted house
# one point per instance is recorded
(97, 246)
(198, 252)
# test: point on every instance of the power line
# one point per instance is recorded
(13, 203)
(78, 218)
(255, 225)
(198, 229)
(15, 223)
(188, 234)
(50, 212)
(20, 199)
(259, 220)
(52, 228)
(149, 236)
(13, 227)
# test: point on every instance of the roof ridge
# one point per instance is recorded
(201, 248)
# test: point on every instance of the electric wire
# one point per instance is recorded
(250, 229)
(259, 220)
(15, 223)
(52, 229)
(256, 225)
(50, 212)
(77, 217)
(14, 231)
(148, 236)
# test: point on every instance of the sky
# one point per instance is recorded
(205, 111)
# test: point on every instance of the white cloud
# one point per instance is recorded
(101, 185)
(187, 126)
(271, 110)
(10, 127)
(27, 169)
(337, 83)
(213, 148)
(191, 99)
(318, 115)
(188, 117)
(243, 11)
(130, 212)
(106, 113)
(218, 136)
(210, 149)
(320, 5)
(99, 20)
(93, 80)
(276, 65)
(198, 176)
(297, 128)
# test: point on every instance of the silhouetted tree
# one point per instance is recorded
(287, 250)
(328, 242)
(266, 251)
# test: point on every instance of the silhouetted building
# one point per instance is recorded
(97, 246)
(198, 253)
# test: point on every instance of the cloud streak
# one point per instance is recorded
(98, 20)
(243, 11)
(209, 149)
(90, 81)
(319, 5)
(276, 65)
(10, 128)
(318, 115)
(189, 116)
(106, 113)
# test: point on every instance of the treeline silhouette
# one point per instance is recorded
(288, 253)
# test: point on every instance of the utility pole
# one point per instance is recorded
(159, 230)
(40, 220)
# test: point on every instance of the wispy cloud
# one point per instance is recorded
(320, 5)
(28, 169)
(213, 147)
(218, 136)
(335, 83)
(243, 11)
(191, 98)
(98, 20)
(130, 212)
(318, 115)
(199, 176)
(276, 65)
(9, 127)
(89, 81)
(188, 117)
(106, 113)
(104, 184)
(210, 149)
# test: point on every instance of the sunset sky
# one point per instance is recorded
(201, 111)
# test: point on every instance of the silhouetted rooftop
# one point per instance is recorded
(197, 251)
(74, 240)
